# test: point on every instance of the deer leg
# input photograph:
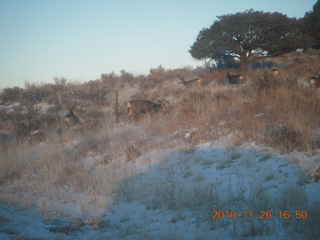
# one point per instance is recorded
(130, 112)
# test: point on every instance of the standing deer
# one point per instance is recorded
(234, 79)
(192, 82)
(136, 107)
(315, 81)
(71, 119)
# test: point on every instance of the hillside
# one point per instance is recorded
(166, 174)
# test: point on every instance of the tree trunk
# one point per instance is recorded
(244, 63)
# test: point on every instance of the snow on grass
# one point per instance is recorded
(11, 107)
(213, 178)
(170, 194)
(23, 223)
(43, 107)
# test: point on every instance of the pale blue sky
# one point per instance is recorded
(80, 39)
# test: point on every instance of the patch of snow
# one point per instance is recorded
(10, 108)
(303, 83)
(43, 107)
(170, 194)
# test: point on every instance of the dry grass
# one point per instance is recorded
(77, 176)
(255, 112)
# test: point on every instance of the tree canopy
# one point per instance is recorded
(312, 24)
(249, 36)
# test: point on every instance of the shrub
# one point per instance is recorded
(27, 120)
(11, 94)
(284, 137)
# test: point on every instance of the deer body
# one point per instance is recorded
(192, 82)
(136, 107)
(71, 119)
(315, 82)
(275, 72)
(234, 79)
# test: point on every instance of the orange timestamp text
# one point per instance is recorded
(262, 214)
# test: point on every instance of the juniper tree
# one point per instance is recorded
(249, 36)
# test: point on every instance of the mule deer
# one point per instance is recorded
(275, 72)
(71, 119)
(315, 81)
(234, 79)
(136, 107)
(192, 82)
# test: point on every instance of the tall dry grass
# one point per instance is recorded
(281, 114)
(78, 177)
(74, 176)
(58, 178)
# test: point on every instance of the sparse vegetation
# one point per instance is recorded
(86, 172)
(96, 163)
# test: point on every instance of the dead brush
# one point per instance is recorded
(289, 104)
(283, 137)
(296, 133)
(285, 121)
(217, 77)
(195, 105)
(27, 121)
(315, 174)
(267, 81)
(132, 153)
(222, 94)
(294, 115)
(93, 119)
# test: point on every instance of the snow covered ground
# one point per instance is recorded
(173, 195)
